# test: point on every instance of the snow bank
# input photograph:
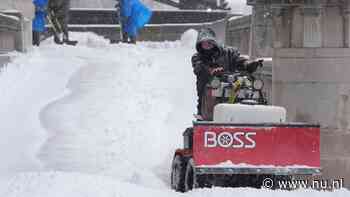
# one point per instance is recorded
(111, 127)
(58, 184)
(189, 38)
(27, 84)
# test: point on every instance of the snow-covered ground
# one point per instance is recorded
(100, 120)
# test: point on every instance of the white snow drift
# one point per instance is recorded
(100, 120)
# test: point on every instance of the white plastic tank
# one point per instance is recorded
(239, 113)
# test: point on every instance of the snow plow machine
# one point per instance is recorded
(242, 142)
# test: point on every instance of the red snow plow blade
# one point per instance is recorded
(280, 149)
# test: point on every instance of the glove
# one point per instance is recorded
(213, 71)
(253, 66)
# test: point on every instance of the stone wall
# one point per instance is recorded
(238, 33)
(9, 26)
(164, 25)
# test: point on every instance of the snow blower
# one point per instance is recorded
(241, 141)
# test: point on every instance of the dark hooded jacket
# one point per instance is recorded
(219, 56)
(203, 60)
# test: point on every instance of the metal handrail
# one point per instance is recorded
(9, 23)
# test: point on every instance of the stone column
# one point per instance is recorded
(281, 30)
(261, 34)
(312, 27)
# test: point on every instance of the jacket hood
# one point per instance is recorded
(207, 34)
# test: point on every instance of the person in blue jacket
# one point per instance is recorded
(39, 20)
(133, 16)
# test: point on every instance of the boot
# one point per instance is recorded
(67, 41)
(125, 38)
(57, 40)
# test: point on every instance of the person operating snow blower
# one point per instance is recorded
(212, 58)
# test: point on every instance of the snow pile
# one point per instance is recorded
(156, 5)
(72, 184)
(93, 3)
(111, 3)
(238, 113)
(99, 120)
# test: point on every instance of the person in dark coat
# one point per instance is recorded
(58, 11)
(211, 57)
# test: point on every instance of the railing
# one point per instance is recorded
(9, 27)
(109, 16)
(10, 23)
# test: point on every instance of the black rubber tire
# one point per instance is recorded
(190, 176)
(178, 170)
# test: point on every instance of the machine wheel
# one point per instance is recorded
(190, 176)
(178, 171)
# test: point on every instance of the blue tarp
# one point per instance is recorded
(134, 16)
(40, 15)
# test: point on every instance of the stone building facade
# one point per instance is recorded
(311, 64)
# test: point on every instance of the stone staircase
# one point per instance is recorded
(164, 25)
